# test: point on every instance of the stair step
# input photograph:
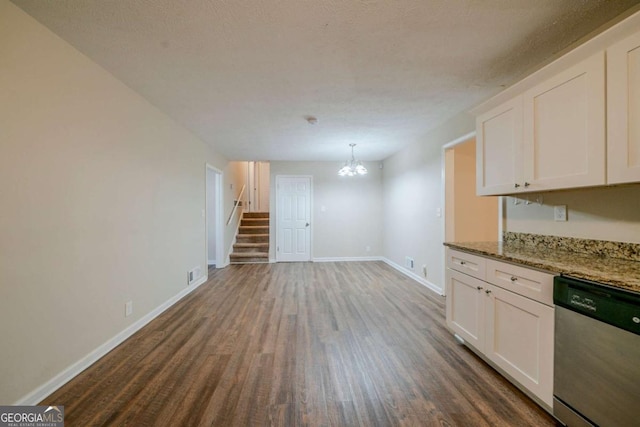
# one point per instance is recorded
(263, 222)
(253, 229)
(251, 247)
(256, 215)
(252, 238)
(249, 257)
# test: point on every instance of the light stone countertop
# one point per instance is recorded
(619, 273)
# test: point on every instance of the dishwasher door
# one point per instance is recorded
(596, 371)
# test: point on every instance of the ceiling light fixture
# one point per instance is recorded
(352, 167)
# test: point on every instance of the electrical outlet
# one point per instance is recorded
(128, 308)
(408, 262)
(560, 213)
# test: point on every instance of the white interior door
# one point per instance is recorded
(293, 218)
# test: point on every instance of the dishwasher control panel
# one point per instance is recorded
(576, 299)
(615, 306)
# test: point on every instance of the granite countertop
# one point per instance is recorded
(620, 273)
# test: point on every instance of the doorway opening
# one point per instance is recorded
(258, 185)
(214, 228)
(468, 218)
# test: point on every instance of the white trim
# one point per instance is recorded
(40, 393)
(347, 259)
(501, 216)
(220, 229)
(460, 140)
(431, 286)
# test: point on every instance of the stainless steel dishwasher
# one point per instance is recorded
(597, 354)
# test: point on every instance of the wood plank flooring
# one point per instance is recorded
(308, 344)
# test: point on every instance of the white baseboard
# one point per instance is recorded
(37, 395)
(345, 259)
(211, 262)
(431, 286)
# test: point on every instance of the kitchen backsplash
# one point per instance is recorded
(603, 248)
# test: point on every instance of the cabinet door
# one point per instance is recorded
(465, 307)
(499, 149)
(564, 129)
(520, 340)
(623, 111)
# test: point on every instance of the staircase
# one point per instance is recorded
(252, 240)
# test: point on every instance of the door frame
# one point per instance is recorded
(460, 140)
(219, 220)
(277, 210)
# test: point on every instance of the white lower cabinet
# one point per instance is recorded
(519, 339)
(465, 307)
(512, 331)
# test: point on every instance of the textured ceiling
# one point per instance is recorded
(243, 74)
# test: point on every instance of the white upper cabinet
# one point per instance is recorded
(623, 111)
(573, 123)
(564, 128)
(499, 149)
(549, 138)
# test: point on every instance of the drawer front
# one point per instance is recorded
(522, 281)
(466, 263)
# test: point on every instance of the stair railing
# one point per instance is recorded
(236, 202)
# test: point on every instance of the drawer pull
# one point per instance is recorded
(514, 278)
(479, 288)
(488, 291)
(462, 263)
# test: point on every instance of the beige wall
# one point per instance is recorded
(353, 210)
(475, 219)
(413, 191)
(608, 213)
(102, 202)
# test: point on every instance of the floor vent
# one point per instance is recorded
(194, 275)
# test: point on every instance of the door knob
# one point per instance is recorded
(307, 224)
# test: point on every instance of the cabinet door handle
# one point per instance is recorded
(514, 278)
(479, 288)
(462, 263)
(488, 291)
(526, 184)
(516, 185)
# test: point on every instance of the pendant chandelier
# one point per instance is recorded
(352, 167)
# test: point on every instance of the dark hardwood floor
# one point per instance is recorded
(317, 344)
